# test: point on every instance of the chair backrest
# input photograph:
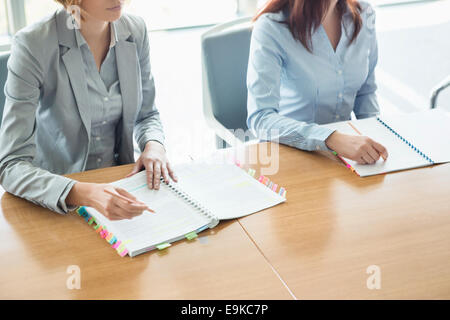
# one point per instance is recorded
(3, 74)
(225, 52)
(444, 84)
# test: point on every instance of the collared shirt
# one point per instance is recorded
(291, 90)
(106, 103)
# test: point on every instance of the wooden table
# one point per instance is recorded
(336, 224)
(333, 226)
(37, 246)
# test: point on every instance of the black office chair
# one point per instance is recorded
(436, 91)
(3, 74)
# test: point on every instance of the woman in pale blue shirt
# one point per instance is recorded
(312, 62)
(79, 85)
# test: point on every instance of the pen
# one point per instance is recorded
(125, 199)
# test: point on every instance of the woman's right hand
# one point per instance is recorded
(94, 195)
(361, 149)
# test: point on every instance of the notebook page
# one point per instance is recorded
(427, 130)
(225, 189)
(400, 155)
(173, 217)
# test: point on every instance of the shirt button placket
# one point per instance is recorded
(340, 73)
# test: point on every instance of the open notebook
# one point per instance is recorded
(413, 140)
(205, 194)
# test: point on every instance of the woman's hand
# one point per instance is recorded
(357, 148)
(95, 195)
(154, 160)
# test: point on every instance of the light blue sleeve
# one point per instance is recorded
(366, 103)
(263, 83)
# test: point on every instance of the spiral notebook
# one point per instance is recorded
(205, 194)
(413, 140)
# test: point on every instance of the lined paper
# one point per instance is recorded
(227, 190)
(428, 130)
(173, 217)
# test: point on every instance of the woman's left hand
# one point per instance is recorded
(155, 162)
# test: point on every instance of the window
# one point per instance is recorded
(3, 19)
(167, 14)
(160, 14)
(36, 10)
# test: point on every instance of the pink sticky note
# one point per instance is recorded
(117, 244)
(123, 253)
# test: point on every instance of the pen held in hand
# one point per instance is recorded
(126, 199)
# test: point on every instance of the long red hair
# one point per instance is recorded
(305, 16)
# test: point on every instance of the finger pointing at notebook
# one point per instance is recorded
(156, 164)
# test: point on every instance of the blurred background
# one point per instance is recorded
(414, 55)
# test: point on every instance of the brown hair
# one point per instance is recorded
(305, 16)
(67, 3)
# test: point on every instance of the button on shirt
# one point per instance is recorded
(291, 90)
(106, 103)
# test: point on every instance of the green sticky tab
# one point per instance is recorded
(335, 153)
(191, 235)
(163, 246)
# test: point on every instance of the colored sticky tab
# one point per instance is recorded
(81, 211)
(270, 185)
(251, 172)
(113, 240)
(274, 187)
(91, 221)
(335, 153)
(104, 234)
(191, 235)
(116, 245)
(121, 247)
(260, 179)
(99, 230)
(163, 246)
(123, 253)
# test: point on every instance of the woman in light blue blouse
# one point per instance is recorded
(312, 62)
(79, 85)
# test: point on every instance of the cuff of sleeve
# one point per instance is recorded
(62, 206)
(150, 137)
(319, 137)
(366, 115)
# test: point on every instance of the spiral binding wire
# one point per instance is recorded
(186, 197)
(423, 155)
